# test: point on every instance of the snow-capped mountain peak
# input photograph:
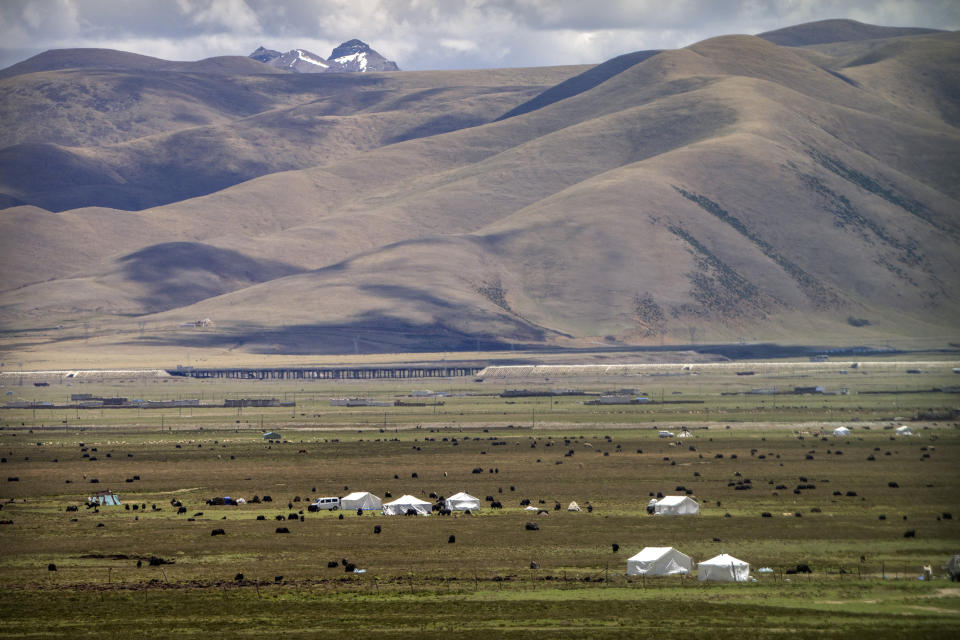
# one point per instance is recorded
(356, 55)
(353, 56)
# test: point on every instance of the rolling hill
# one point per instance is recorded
(800, 185)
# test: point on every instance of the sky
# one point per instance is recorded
(427, 34)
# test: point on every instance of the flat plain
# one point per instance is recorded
(842, 505)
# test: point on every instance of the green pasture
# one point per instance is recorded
(517, 610)
(865, 393)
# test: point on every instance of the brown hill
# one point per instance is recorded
(837, 30)
(731, 189)
(133, 139)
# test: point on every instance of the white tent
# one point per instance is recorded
(361, 500)
(841, 431)
(105, 499)
(723, 568)
(402, 504)
(684, 434)
(659, 561)
(462, 502)
(676, 506)
(573, 506)
(904, 430)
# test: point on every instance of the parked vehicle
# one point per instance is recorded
(325, 504)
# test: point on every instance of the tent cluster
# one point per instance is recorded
(410, 505)
(667, 561)
(404, 505)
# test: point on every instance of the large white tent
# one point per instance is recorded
(659, 561)
(361, 500)
(903, 430)
(404, 503)
(723, 568)
(676, 506)
(462, 502)
(841, 431)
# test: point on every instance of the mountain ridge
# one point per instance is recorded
(837, 30)
(350, 56)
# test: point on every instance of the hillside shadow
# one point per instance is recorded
(581, 83)
(437, 126)
(176, 274)
(373, 332)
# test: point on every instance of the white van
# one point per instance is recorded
(325, 504)
(665, 434)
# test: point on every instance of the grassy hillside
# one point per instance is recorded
(735, 188)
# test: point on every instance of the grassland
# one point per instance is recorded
(848, 523)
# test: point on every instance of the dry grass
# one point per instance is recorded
(485, 576)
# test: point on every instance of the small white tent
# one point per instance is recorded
(904, 430)
(462, 502)
(404, 503)
(659, 561)
(841, 431)
(361, 500)
(573, 506)
(105, 499)
(676, 506)
(723, 568)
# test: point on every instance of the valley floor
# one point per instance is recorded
(866, 511)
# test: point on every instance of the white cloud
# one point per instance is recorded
(232, 16)
(428, 34)
(458, 44)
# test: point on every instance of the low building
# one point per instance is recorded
(806, 390)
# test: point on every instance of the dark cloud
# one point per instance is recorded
(426, 34)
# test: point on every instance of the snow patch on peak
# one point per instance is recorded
(307, 58)
(358, 60)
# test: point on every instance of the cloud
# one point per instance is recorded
(460, 45)
(230, 16)
(427, 34)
